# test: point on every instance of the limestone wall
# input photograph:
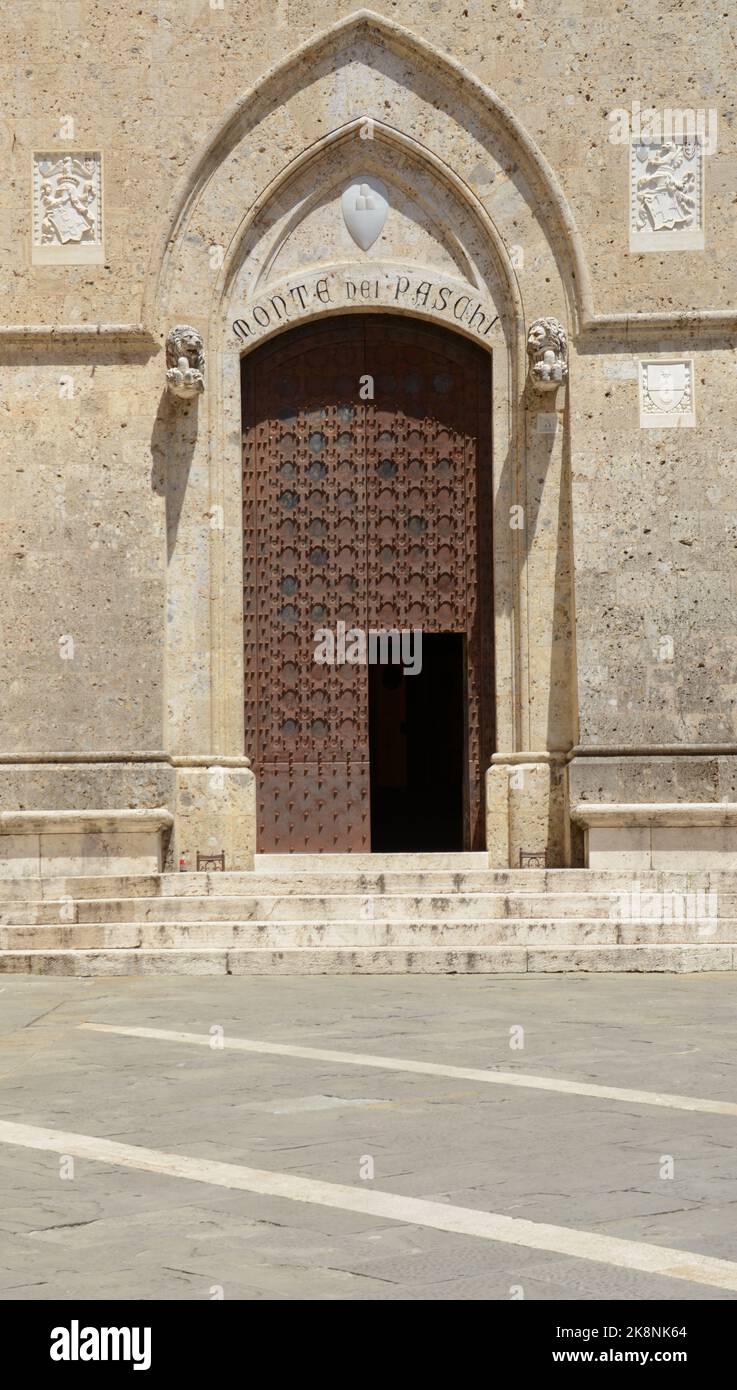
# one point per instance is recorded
(615, 624)
(147, 81)
(83, 556)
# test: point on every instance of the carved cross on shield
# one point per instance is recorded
(668, 384)
(365, 206)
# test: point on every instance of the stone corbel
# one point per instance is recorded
(547, 349)
(185, 361)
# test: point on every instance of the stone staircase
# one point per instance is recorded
(369, 914)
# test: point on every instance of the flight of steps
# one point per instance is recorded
(369, 914)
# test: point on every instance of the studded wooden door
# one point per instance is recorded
(367, 502)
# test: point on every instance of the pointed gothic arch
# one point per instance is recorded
(456, 94)
(242, 198)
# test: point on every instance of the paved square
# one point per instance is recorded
(547, 1138)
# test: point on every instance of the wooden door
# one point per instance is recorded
(367, 502)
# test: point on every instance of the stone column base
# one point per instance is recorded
(215, 812)
(526, 811)
(689, 836)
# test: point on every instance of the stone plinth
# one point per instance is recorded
(41, 844)
(526, 810)
(685, 836)
(215, 812)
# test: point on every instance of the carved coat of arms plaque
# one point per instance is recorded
(666, 394)
(666, 195)
(67, 208)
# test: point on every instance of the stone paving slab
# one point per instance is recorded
(571, 1160)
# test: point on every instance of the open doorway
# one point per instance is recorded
(372, 514)
(417, 739)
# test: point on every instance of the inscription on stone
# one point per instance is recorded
(393, 289)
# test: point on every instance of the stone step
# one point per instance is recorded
(456, 861)
(348, 934)
(305, 907)
(302, 907)
(322, 881)
(370, 960)
(282, 936)
(368, 914)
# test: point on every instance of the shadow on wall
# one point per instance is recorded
(173, 443)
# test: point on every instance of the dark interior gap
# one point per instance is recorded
(417, 740)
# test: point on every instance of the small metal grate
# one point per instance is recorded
(211, 861)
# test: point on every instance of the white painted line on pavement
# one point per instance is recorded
(497, 1078)
(388, 1206)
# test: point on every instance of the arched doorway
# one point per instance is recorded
(367, 521)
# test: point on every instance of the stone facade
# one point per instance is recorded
(175, 193)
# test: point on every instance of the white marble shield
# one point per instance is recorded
(668, 384)
(365, 206)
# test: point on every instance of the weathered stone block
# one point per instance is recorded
(215, 813)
